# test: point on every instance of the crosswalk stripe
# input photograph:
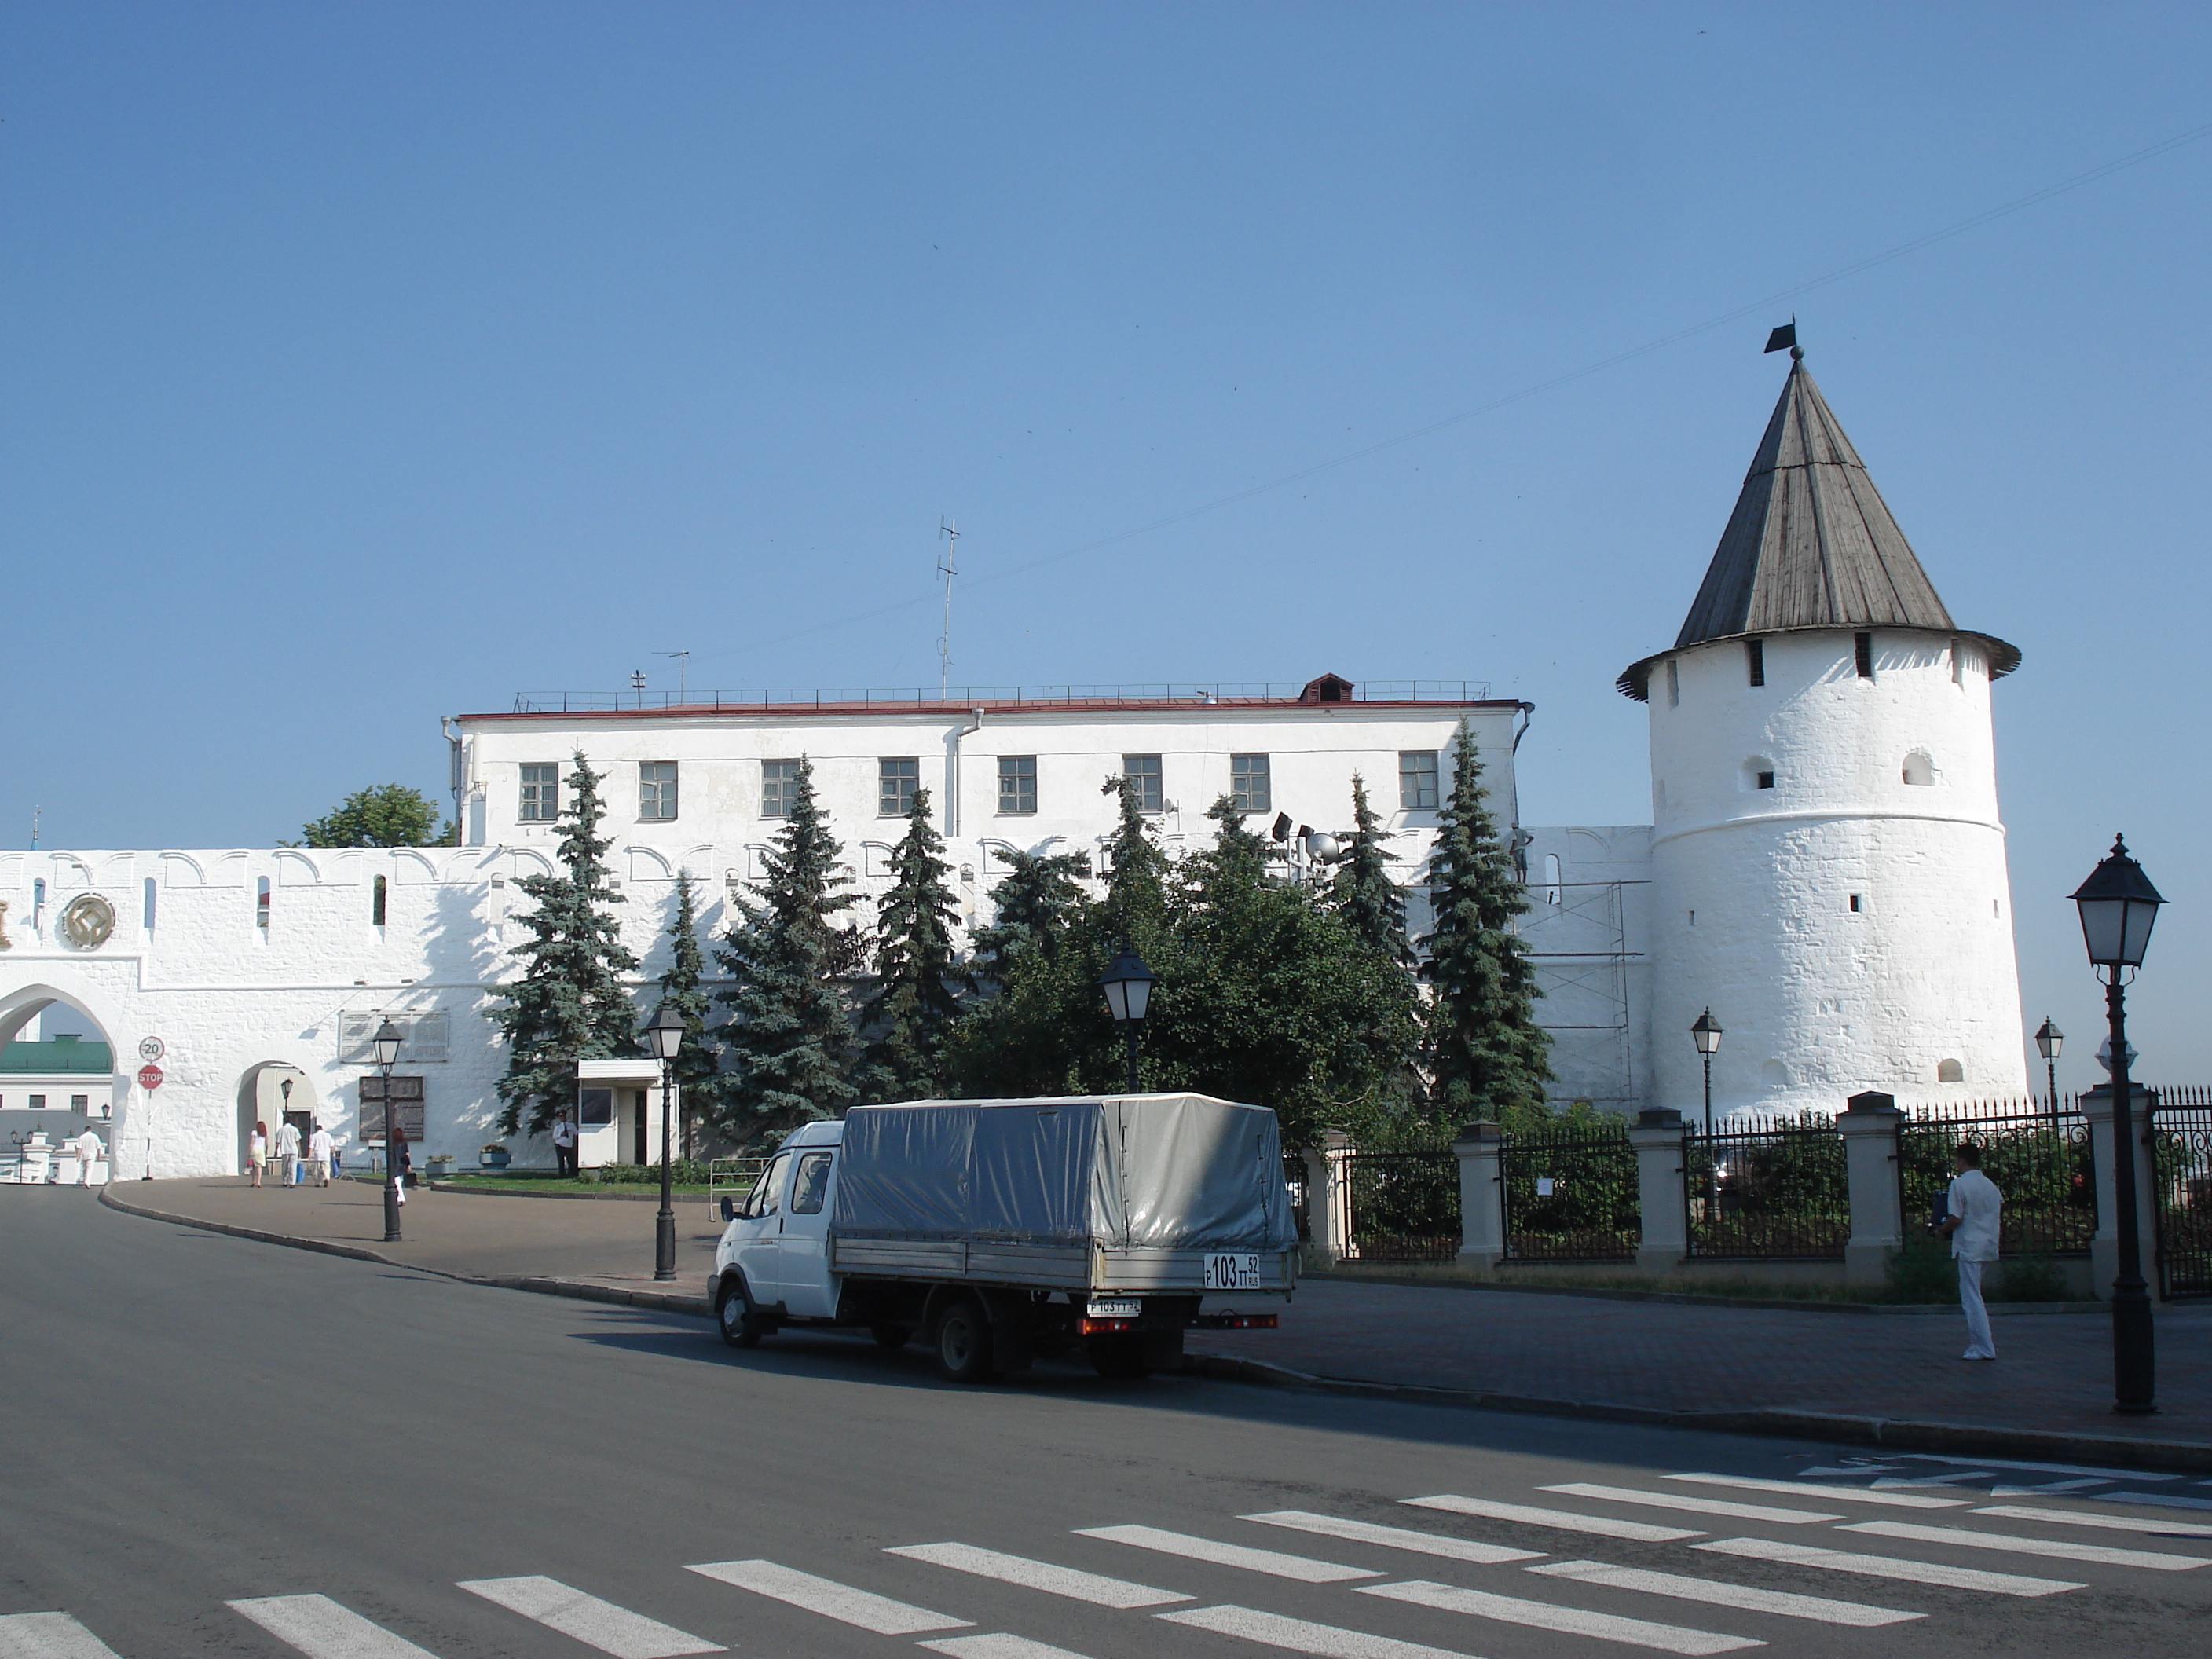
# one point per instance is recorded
(1303, 1568)
(2010, 1463)
(828, 1598)
(1549, 1615)
(1720, 1595)
(324, 1629)
(996, 1647)
(1903, 1500)
(1303, 1636)
(48, 1635)
(1695, 1505)
(598, 1623)
(2162, 1500)
(2001, 1491)
(1566, 1520)
(2091, 1518)
(1095, 1587)
(2058, 1549)
(1396, 1538)
(1886, 1567)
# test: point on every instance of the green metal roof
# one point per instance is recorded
(62, 1055)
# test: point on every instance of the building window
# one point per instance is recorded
(37, 1103)
(778, 787)
(1758, 773)
(1950, 1071)
(1856, 906)
(1863, 654)
(656, 790)
(1673, 684)
(1766, 779)
(150, 891)
(897, 779)
(1018, 783)
(541, 793)
(1144, 771)
(80, 1103)
(1958, 663)
(376, 897)
(1248, 783)
(1754, 659)
(1417, 779)
(261, 903)
(1920, 769)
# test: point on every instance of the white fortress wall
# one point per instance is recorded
(1588, 929)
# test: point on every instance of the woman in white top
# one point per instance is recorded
(256, 1150)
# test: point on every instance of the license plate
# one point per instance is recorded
(1128, 1308)
(1232, 1273)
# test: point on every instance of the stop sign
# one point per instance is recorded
(149, 1077)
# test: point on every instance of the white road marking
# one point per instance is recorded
(1886, 1567)
(1303, 1568)
(996, 1647)
(322, 1629)
(2055, 1485)
(1303, 1636)
(2006, 1463)
(1095, 1587)
(1695, 1505)
(1888, 1480)
(2090, 1518)
(2058, 1549)
(1549, 1615)
(1566, 1520)
(2163, 1500)
(1903, 1500)
(1720, 1595)
(597, 1623)
(48, 1635)
(1396, 1538)
(829, 1598)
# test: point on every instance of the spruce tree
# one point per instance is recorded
(696, 1062)
(789, 1038)
(919, 983)
(1138, 871)
(569, 1004)
(1365, 897)
(1483, 1052)
(1034, 905)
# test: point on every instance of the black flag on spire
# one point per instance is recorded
(1784, 338)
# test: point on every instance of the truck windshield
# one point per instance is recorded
(811, 1184)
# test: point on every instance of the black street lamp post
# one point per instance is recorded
(1706, 1034)
(666, 1035)
(1128, 987)
(2119, 908)
(2048, 1038)
(385, 1046)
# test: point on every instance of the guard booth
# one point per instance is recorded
(618, 1112)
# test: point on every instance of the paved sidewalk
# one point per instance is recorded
(2053, 1377)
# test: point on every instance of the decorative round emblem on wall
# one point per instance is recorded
(88, 920)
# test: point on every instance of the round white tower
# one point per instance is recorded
(1828, 867)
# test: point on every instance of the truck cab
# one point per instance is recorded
(777, 1241)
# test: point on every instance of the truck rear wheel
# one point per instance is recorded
(733, 1314)
(964, 1342)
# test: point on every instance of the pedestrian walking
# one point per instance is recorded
(564, 1146)
(256, 1150)
(288, 1151)
(397, 1158)
(1970, 1223)
(322, 1155)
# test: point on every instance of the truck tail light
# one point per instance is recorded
(1087, 1326)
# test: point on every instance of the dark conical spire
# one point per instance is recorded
(1811, 543)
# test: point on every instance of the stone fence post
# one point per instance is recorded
(2105, 1249)
(1479, 1148)
(1868, 1125)
(1657, 1136)
(1328, 1196)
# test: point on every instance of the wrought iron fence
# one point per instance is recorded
(2037, 1152)
(1769, 1187)
(2181, 1169)
(1571, 1193)
(1400, 1205)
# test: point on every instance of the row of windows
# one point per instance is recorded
(1755, 663)
(38, 1103)
(899, 777)
(1918, 770)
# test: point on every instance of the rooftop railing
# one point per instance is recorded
(1177, 693)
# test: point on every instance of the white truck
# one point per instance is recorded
(1004, 1229)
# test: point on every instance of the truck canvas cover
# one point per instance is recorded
(1142, 1172)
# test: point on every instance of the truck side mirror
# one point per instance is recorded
(729, 1207)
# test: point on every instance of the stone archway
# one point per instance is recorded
(270, 1091)
(61, 1081)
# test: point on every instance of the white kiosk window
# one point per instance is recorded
(595, 1108)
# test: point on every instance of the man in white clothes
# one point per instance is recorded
(1971, 1226)
(288, 1151)
(321, 1149)
(564, 1146)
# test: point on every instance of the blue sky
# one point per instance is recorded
(366, 363)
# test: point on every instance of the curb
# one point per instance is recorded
(1693, 1299)
(1905, 1434)
(647, 1195)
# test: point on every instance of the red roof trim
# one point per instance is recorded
(726, 711)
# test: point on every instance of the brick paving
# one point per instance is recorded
(2053, 1372)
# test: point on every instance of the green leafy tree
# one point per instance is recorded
(569, 1004)
(697, 1062)
(1483, 1052)
(383, 815)
(1036, 902)
(1366, 899)
(919, 981)
(789, 1040)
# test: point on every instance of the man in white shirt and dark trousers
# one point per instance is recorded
(1971, 1225)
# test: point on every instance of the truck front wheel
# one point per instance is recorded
(733, 1314)
(964, 1342)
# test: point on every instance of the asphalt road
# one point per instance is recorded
(194, 1420)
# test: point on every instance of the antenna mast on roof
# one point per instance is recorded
(948, 567)
(682, 672)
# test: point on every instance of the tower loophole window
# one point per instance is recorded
(376, 902)
(1863, 654)
(1758, 773)
(1754, 660)
(1673, 684)
(1920, 769)
(1856, 904)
